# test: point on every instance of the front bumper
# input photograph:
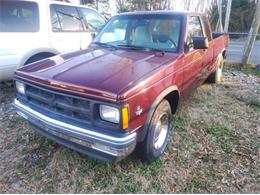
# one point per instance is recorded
(101, 146)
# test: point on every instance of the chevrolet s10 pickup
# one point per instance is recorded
(119, 95)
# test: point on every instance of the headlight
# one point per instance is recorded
(20, 87)
(109, 113)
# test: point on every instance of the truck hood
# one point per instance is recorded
(95, 72)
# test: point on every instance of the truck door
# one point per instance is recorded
(209, 53)
(193, 59)
(66, 28)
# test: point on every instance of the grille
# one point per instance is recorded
(59, 104)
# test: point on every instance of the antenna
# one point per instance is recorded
(67, 1)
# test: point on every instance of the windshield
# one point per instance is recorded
(159, 32)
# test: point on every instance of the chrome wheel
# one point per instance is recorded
(161, 130)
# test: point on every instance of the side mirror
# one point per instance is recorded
(200, 42)
(93, 35)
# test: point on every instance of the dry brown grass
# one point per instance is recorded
(214, 149)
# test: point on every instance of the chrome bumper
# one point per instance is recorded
(102, 146)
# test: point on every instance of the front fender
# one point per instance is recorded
(162, 95)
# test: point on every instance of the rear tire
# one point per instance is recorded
(158, 135)
(216, 76)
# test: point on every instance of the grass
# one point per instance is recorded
(48, 190)
(251, 71)
(253, 102)
(20, 168)
(214, 149)
(224, 136)
(180, 121)
(15, 121)
(209, 159)
(127, 184)
(4, 86)
(153, 169)
(248, 70)
(195, 184)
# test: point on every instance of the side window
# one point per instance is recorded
(19, 16)
(56, 27)
(65, 18)
(94, 20)
(116, 32)
(207, 27)
(194, 30)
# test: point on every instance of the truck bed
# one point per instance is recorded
(220, 41)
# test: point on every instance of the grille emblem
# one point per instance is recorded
(139, 111)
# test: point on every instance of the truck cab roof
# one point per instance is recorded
(162, 12)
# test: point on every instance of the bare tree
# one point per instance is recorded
(187, 4)
(229, 3)
(252, 35)
(202, 5)
(97, 4)
(219, 26)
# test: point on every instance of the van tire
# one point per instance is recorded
(158, 135)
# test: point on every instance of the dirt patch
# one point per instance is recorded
(214, 149)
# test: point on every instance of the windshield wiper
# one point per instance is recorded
(135, 47)
(157, 50)
(132, 47)
(104, 45)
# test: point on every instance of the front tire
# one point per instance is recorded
(159, 133)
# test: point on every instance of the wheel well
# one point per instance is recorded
(39, 56)
(224, 54)
(173, 99)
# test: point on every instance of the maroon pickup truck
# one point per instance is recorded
(119, 95)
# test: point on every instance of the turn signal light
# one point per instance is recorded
(125, 118)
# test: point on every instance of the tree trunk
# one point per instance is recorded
(113, 7)
(228, 11)
(252, 35)
(97, 4)
(220, 27)
(189, 2)
(202, 7)
(187, 5)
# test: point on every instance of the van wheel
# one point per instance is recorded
(159, 133)
(216, 76)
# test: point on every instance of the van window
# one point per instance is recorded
(19, 16)
(93, 19)
(65, 18)
(194, 30)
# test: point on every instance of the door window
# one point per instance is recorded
(207, 27)
(65, 18)
(19, 16)
(194, 30)
(94, 20)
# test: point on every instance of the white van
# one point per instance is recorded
(31, 30)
